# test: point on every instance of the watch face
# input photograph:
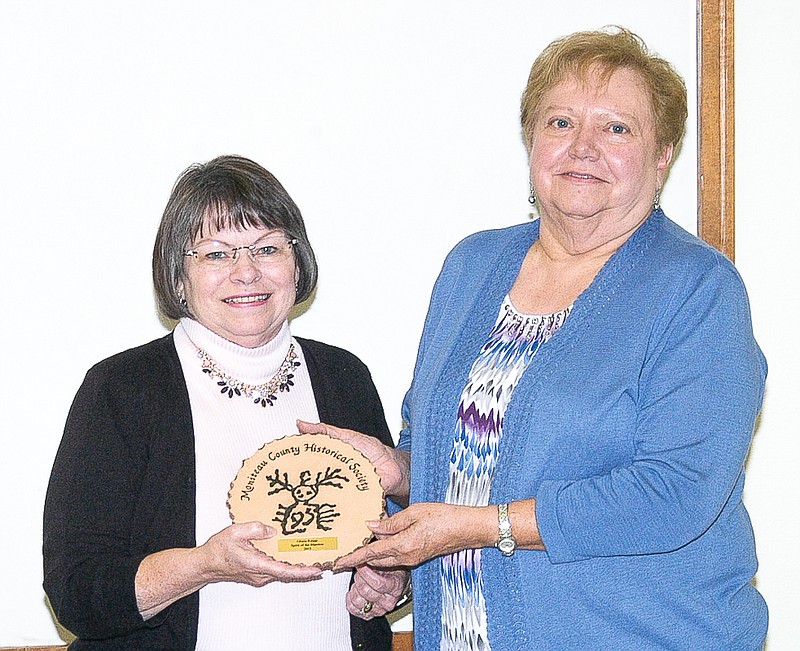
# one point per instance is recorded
(507, 546)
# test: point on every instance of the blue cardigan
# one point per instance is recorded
(630, 428)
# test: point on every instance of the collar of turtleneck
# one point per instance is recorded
(251, 365)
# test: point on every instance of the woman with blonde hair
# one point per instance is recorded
(584, 397)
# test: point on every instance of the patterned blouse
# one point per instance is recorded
(509, 349)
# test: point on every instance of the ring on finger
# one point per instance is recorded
(366, 608)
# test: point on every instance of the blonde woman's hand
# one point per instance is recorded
(422, 531)
(392, 465)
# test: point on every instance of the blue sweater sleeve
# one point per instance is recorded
(699, 392)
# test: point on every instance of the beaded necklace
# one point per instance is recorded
(263, 394)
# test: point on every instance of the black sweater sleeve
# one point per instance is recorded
(122, 487)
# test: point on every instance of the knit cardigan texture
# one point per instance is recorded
(123, 487)
(630, 427)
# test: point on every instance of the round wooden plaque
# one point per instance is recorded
(316, 491)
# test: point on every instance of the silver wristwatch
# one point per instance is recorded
(506, 544)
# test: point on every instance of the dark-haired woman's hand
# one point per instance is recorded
(375, 592)
(166, 576)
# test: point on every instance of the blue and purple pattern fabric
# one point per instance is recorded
(510, 347)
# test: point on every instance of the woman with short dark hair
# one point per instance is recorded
(139, 551)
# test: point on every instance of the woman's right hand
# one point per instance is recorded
(392, 466)
(230, 556)
(168, 575)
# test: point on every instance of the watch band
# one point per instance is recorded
(507, 545)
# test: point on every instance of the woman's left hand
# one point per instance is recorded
(422, 531)
(375, 592)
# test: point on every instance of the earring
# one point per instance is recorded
(532, 196)
(657, 200)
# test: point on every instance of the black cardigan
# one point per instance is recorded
(123, 487)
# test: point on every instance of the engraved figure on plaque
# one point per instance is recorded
(302, 513)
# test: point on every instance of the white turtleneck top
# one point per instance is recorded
(299, 616)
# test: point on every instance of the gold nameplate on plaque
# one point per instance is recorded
(316, 491)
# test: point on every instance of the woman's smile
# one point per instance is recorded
(577, 176)
(247, 299)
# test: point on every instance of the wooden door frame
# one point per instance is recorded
(715, 117)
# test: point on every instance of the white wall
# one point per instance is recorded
(768, 257)
(394, 127)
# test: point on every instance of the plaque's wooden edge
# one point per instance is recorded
(329, 565)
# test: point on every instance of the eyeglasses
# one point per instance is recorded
(269, 250)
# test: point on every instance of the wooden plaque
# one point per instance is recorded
(316, 491)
